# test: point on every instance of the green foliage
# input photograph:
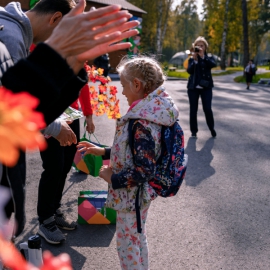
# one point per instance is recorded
(214, 24)
(264, 67)
(148, 24)
(187, 24)
(184, 25)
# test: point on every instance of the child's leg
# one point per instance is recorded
(132, 246)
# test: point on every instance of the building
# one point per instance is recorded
(24, 3)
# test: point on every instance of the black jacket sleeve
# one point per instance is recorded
(210, 62)
(47, 76)
(107, 154)
(191, 66)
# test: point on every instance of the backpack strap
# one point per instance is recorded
(138, 209)
(131, 145)
(131, 135)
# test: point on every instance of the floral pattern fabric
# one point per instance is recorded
(132, 246)
(144, 160)
(153, 111)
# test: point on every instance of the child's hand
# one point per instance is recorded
(90, 148)
(105, 172)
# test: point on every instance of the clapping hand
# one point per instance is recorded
(86, 35)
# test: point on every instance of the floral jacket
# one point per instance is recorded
(129, 169)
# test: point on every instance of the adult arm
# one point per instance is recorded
(87, 108)
(144, 159)
(81, 36)
(47, 76)
(52, 129)
(85, 101)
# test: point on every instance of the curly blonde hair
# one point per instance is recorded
(144, 68)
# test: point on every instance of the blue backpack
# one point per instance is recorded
(171, 165)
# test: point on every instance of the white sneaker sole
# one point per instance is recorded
(66, 228)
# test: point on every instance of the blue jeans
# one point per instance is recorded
(206, 97)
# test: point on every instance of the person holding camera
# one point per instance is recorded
(200, 84)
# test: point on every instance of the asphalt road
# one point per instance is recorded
(220, 217)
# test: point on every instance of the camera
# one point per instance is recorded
(196, 49)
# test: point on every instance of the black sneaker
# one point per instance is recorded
(49, 231)
(213, 133)
(194, 135)
(63, 222)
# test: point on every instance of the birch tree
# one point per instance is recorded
(245, 32)
(163, 9)
(224, 36)
(187, 24)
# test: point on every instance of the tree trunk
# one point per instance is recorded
(245, 33)
(161, 29)
(224, 36)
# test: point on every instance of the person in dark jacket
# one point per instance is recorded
(24, 28)
(250, 71)
(103, 62)
(200, 84)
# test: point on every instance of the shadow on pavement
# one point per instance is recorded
(199, 167)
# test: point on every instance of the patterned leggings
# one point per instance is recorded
(132, 246)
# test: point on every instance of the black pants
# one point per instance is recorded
(206, 97)
(249, 77)
(14, 178)
(57, 161)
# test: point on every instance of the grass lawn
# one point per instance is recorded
(182, 74)
(185, 75)
(265, 67)
(229, 70)
(255, 78)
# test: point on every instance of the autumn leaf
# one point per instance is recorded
(102, 101)
(102, 89)
(12, 259)
(113, 90)
(100, 71)
(19, 125)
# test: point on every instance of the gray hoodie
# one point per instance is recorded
(17, 36)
